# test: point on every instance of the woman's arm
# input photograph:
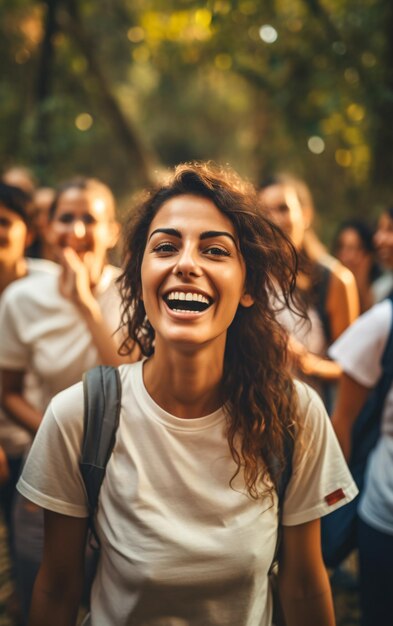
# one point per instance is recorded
(342, 300)
(4, 469)
(15, 404)
(59, 583)
(303, 582)
(350, 400)
(311, 364)
(75, 286)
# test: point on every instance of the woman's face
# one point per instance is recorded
(350, 250)
(13, 235)
(83, 221)
(283, 207)
(383, 240)
(193, 274)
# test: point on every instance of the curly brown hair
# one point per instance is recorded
(260, 399)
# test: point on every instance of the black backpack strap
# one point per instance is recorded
(102, 397)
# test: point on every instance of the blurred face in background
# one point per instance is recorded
(43, 199)
(13, 235)
(84, 220)
(282, 206)
(383, 240)
(351, 251)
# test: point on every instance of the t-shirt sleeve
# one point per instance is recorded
(321, 481)
(14, 352)
(360, 348)
(51, 476)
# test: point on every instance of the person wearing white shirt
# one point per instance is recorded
(187, 517)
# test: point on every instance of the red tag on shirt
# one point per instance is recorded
(334, 497)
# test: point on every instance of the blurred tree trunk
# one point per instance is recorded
(139, 162)
(43, 85)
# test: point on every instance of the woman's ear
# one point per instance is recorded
(247, 300)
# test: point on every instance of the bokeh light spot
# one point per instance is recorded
(203, 17)
(84, 121)
(343, 157)
(316, 144)
(355, 112)
(268, 34)
(135, 34)
(369, 59)
(351, 75)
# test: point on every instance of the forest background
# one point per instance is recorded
(122, 89)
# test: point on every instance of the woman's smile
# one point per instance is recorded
(181, 300)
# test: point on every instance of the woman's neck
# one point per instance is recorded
(186, 384)
(9, 272)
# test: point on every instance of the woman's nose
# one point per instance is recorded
(79, 229)
(187, 263)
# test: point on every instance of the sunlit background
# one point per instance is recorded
(123, 88)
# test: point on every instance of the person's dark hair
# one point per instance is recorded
(15, 200)
(389, 211)
(361, 227)
(366, 236)
(82, 183)
(260, 397)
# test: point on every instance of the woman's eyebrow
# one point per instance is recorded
(208, 234)
(167, 231)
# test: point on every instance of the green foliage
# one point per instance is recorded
(300, 85)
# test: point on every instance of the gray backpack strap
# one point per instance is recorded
(281, 484)
(102, 396)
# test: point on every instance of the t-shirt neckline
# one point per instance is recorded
(156, 412)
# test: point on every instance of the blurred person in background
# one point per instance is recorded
(354, 247)
(359, 352)
(383, 286)
(20, 176)
(14, 266)
(326, 288)
(57, 326)
(15, 235)
(40, 246)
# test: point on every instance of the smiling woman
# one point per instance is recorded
(188, 513)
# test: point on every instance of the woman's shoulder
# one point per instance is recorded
(312, 417)
(308, 400)
(338, 272)
(68, 405)
(30, 286)
(373, 324)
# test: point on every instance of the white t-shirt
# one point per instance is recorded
(359, 351)
(44, 333)
(178, 545)
(382, 286)
(311, 335)
(14, 438)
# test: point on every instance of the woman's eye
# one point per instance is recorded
(216, 251)
(66, 218)
(165, 248)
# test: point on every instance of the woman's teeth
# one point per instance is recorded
(187, 302)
